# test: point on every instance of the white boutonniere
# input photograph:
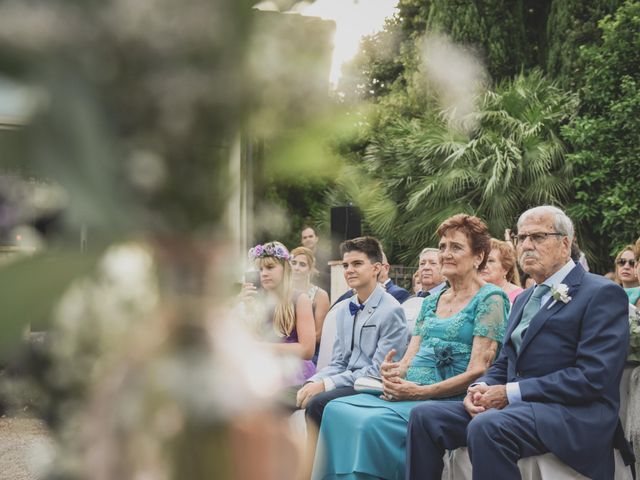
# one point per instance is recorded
(559, 293)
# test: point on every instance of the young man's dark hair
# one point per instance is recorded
(367, 245)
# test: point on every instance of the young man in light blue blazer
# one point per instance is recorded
(368, 327)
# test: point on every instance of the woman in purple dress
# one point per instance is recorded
(290, 317)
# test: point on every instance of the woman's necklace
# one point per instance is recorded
(458, 300)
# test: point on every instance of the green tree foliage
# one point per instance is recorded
(494, 27)
(423, 171)
(603, 138)
(302, 200)
(570, 25)
(377, 66)
(389, 60)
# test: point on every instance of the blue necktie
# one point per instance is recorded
(530, 309)
(423, 294)
(355, 308)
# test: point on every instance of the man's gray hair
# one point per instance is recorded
(428, 250)
(561, 222)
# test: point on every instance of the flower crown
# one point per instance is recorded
(269, 250)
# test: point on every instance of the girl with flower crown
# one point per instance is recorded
(289, 312)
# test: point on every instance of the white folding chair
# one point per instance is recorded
(547, 466)
(297, 421)
(327, 338)
(411, 308)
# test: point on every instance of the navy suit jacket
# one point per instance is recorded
(397, 292)
(344, 296)
(569, 369)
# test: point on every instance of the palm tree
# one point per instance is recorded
(420, 171)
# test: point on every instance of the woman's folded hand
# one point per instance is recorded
(395, 388)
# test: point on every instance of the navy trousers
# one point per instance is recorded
(496, 439)
(315, 407)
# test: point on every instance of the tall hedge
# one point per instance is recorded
(604, 138)
(494, 27)
(572, 24)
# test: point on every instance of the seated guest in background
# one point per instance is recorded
(578, 255)
(430, 274)
(371, 324)
(526, 281)
(626, 275)
(501, 269)
(431, 282)
(303, 267)
(555, 385)
(638, 264)
(417, 283)
(394, 290)
(455, 339)
(290, 315)
(309, 239)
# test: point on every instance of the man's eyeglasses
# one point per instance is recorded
(536, 238)
(622, 261)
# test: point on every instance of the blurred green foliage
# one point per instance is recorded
(138, 112)
(32, 288)
(133, 108)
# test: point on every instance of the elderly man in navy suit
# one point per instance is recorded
(555, 385)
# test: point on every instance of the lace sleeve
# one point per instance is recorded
(428, 306)
(491, 316)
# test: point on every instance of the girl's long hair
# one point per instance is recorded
(284, 317)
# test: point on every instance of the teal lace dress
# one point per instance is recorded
(633, 294)
(363, 436)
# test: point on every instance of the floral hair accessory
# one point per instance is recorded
(270, 250)
(559, 293)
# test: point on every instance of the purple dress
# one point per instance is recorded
(307, 366)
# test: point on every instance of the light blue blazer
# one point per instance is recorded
(384, 328)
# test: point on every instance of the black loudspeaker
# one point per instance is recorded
(346, 223)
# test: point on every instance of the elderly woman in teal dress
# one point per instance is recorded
(456, 336)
